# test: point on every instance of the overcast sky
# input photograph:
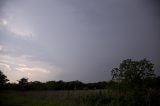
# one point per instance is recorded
(76, 39)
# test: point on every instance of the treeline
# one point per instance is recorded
(130, 74)
(133, 84)
(23, 84)
(77, 85)
(56, 85)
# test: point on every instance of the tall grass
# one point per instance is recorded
(79, 98)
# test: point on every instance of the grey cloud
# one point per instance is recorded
(86, 38)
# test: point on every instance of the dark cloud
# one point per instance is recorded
(86, 38)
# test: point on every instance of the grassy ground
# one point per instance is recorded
(75, 98)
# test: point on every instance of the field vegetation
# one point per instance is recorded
(133, 84)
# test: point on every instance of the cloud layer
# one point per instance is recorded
(21, 66)
(76, 40)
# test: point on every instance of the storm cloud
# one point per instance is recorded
(76, 39)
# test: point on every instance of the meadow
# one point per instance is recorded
(79, 98)
(129, 88)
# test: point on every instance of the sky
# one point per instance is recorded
(76, 39)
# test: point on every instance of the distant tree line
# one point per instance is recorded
(23, 84)
(129, 74)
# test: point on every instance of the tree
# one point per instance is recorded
(133, 71)
(3, 79)
(23, 83)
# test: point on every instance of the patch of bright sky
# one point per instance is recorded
(1, 47)
(4, 22)
(17, 29)
(18, 67)
(15, 23)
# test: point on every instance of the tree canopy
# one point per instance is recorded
(3, 78)
(133, 71)
(23, 83)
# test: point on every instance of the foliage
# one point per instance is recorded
(80, 98)
(76, 93)
(3, 80)
(133, 71)
(23, 83)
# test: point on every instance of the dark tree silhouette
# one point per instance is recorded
(23, 83)
(3, 79)
(133, 71)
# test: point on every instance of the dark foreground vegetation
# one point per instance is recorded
(80, 98)
(133, 84)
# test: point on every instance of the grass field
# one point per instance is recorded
(75, 98)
